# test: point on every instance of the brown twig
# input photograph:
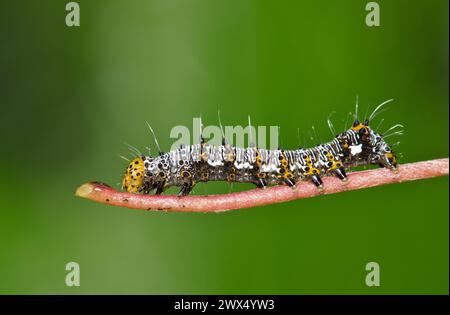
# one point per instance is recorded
(258, 197)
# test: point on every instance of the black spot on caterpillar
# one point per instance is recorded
(202, 162)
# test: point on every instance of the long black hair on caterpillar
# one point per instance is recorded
(202, 162)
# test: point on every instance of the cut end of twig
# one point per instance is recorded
(84, 190)
(258, 197)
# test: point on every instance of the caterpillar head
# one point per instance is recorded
(383, 153)
(373, 146)
(134, 175)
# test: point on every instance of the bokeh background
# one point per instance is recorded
(71, 97)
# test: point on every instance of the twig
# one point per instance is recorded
(258, 197)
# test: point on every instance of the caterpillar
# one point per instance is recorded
(202, 162)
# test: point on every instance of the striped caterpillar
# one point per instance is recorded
(202, 162)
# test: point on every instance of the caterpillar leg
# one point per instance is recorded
(289, 182)
(261, 183)
(389, 161)
(317, 181)
(160, 187)
(340, 173)
(334, 166)
(186, 188)
(186, 180)
(147, 188)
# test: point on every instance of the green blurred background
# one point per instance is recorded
(71, 97)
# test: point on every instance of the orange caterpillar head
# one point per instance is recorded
(134, 175)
